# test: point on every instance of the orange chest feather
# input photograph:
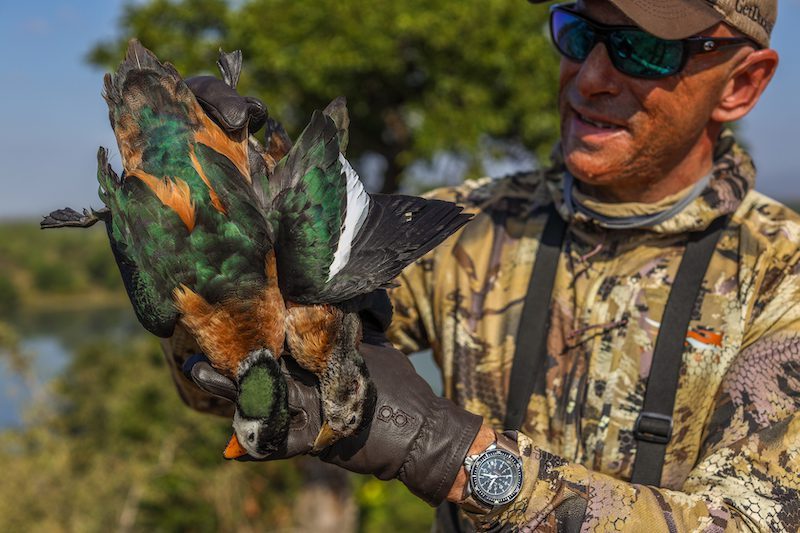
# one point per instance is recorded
(312, 332)
(228, 331)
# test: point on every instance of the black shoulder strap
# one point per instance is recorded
(531, 342)
(653, 428)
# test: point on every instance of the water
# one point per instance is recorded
(50, 339)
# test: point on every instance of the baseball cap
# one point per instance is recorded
(678, 19)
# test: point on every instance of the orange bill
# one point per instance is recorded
(234, 450)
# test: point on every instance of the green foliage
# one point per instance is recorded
(67, 267)
(9, 339)
(9, 296)
(11, 351)
(102, 269)
(390, 507)
(53, 277)
(420, 76)
(190, 29)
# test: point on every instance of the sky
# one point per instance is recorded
(54, 118)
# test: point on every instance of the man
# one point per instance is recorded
(645, 176)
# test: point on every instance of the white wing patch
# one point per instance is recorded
(357, 209)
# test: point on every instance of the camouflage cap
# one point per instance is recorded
(678, 19)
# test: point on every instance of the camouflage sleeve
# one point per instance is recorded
(411, 306)
(176, 350)
(413, 328)
(748, 475)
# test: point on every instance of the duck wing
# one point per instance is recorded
(335, 241)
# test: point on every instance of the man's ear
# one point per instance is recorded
(747, 81)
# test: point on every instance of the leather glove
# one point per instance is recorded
(225, 106)
(413, 435)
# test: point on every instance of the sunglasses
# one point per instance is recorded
(632, 51)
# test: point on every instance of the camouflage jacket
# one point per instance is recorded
(734, 460)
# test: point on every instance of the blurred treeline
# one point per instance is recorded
(55, 269)
(107, 444)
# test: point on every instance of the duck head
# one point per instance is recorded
(348, 399)
(261, 420)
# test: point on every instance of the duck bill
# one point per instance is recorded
(234, 450)
(325, 438)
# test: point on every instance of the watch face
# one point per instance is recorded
(496, 477)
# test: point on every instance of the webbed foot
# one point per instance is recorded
(69, 218)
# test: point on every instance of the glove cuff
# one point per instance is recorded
(439, 451)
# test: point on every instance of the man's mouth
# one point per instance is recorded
(597, 122)
(591, 128)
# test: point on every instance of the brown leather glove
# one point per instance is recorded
(414, 435)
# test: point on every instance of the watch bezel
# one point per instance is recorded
(475, 487)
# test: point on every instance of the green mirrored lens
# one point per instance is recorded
(640, 54)
(573, 36)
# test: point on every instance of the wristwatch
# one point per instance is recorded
(494, 476)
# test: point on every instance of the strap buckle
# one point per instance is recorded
(653, 427)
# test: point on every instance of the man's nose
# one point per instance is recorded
(597, 75)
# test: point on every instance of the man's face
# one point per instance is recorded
(617, 130)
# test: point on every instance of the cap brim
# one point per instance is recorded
(670, 19)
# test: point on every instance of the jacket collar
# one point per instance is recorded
(733, 175)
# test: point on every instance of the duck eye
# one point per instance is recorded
(251, 437)
(352, 421)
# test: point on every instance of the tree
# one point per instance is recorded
(421, 77)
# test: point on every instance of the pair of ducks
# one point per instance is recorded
(252, 248)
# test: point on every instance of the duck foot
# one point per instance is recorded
(69, 218)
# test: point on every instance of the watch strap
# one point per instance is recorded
(508, 441)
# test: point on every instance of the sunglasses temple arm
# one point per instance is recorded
(699, 46)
